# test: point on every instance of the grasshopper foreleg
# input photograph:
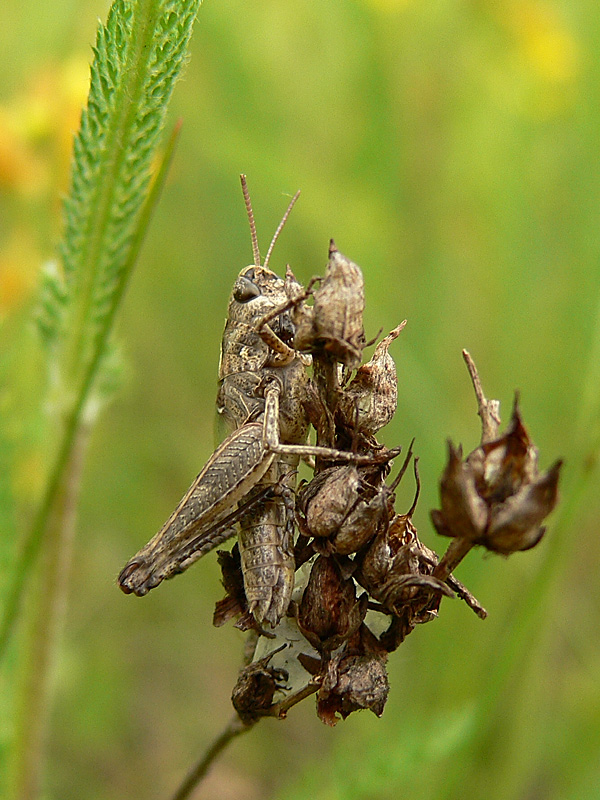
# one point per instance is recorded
(273, 444)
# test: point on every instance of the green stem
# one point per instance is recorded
(46, 613)
(33, 540)
(234, 728)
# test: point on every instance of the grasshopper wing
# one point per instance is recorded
(204, 517)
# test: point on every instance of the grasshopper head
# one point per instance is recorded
(256, 292)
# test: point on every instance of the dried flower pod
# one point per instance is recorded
(342, 506)
(361, 524)
(463, 508)
(369, 402)
(496, 497)
(256, 685)
(334, 324)
(329, 498)
(397, 567)
(329, 613)
(234, 604)
(352, 683)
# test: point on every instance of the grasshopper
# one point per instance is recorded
(250, 478)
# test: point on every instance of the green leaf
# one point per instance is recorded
(138, 56)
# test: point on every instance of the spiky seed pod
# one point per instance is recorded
(497, 497)
(334, 324)
(369, 402)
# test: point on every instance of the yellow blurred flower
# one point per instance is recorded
(19, 266)
(546, 44)
(20, 169)
(37, 126)
(36, 134)
(547, 53)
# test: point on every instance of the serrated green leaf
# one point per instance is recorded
(138, 56)
(132, 77)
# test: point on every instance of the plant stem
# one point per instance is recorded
(33, 540)
(46, 614)
(234, 728)
(457, 550)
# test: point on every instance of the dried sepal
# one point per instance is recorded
(516, 523)
(252, 696)
(334, 324)
(329, 613)
(352, 683)
(234, 604)
(463, 509)
(369, 402)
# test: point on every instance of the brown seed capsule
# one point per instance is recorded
(369, 402)
(361, 524)
(234, 604)
(352, 683)
(329, 498)
(397, 568)
(342, 506)
(334, 324)
(496, 497)
(257, 683)
(329, 613)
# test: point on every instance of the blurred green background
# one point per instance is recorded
(452, 150)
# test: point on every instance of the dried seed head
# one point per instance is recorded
(352, 683)
(396, 569)
(329, 613)
(329, 498)
(234, 604)
(257, 683)
(369, 402)
(334, 324)
(497, 497)
(342, 506)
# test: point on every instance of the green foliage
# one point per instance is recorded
(137, 58)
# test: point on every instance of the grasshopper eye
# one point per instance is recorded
(244, 290)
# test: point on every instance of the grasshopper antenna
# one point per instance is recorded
(279, 228)
(254, 237)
